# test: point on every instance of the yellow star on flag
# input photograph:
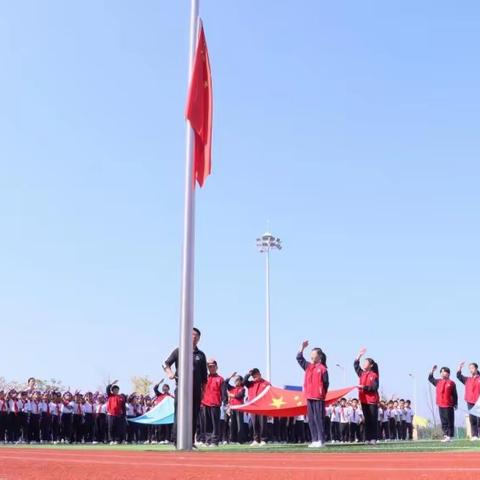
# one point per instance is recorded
(278, 402)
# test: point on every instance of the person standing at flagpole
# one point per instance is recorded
(315, 388)
(472, 394)
(199, 366)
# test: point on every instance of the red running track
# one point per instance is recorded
(49, 464)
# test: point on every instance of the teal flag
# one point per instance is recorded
(161, 414)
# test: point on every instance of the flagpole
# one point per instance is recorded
(185, 368)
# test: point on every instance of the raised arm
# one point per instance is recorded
(460, 376)
(431, 378)
(300, 358)
(356, 364)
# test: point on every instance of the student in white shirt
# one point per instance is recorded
(56, 412)
(34, 410)
(100, 430)
(88, 417)
(355, 417)
(67, 417)
(335, 424)
(409, 419)
(342, 412)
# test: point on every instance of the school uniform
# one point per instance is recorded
(77, 422)
(34, 412)
(24, 418)
(369, 398)
(385, 429)
(342, 412)
(300, 429)
(447, 401)
(131, 412)
(3, 420)
(354, 419)
(335, 424)
(211, 402)
(236, 396)
(56, 413)
(259, 422)
(115, 415)
(392, 423)
(14, 408)
(472, 393)
(66, 420)
(45, 422)
(409, 423)
(328, 423)
(100, 429)
(88, 421)
(401, 423)
(315, 388)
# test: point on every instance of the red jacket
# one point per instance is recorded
(314, 385)
(368, 379)
(446, 393)
(256, 387)
(236, 392)
(212, 396)
(472, 387)
(115, 405)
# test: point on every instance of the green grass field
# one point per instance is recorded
(419, 446)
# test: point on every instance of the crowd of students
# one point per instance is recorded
(34, 416)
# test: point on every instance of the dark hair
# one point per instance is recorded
(197, 331)
(115, 387)
(473, 364)
(445, 369)
(31, 378)
(373, 365)
(254, 371)
(240, 378)
(321, 354)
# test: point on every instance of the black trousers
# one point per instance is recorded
(100, 429)
(328, 429)
(385, 431)
(212, 424)
(24, 426)
(88, 422)
(300, 431)
(474, 421)
(34, 427)
(392, 426)
(197, 400)
(236, 427)
(354, 432)
(259, 424)
(116, 428)
(410, 431)
(316, 419)
(344, 432)
(335, 431)
(370, 413)
(77, 428)
(13, 425)
(56, 428)
(3, 426)
(447, 419)
(66, 420)
(46, 427)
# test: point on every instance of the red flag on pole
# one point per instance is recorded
(199, 109)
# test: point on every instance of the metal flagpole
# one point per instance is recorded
(185, 368)
(267, 316)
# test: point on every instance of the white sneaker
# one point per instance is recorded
(112, 443)
(312, 445)
(262, 443)
(446, 439)
(254, 444)
(474, 439)
(319, 444)
(94, 443)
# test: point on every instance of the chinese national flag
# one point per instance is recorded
(199, 109)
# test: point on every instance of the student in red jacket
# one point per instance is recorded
(115, 413)
(235, 396)
(368, 394)
(315, 388)
(254, 387)
(472, 393)
(447, 400)
(212, 401)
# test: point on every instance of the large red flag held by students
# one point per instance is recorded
(199, 109)
(277, 402)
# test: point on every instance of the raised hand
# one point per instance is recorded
(304, 345)
(462, 364)
(362, 352)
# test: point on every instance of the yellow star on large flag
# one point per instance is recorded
(278, 402)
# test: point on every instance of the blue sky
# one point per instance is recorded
(352, 127)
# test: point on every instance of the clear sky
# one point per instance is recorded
(352, 127)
